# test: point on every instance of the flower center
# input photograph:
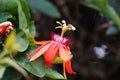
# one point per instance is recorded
(60, 39)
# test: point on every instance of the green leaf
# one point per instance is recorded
(24, 14)
(8, 6)
(115, 5)
(23, 43)
(22, 17)
(11, 74)
(104, 7)
(45, 7)
(32, 28)
(100, 3)
(2, 70)
(4, 16)
(96, 4)
(53, 74)
(36, 67)
(111, 13)
(25, 9)
(29, 35)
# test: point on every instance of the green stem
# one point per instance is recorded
(12, 63)
(3, 53)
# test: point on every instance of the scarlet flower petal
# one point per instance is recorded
(36, 50)
(41, 50)
(51, 54)
(64, 53)
(69, 68)
(33, 52)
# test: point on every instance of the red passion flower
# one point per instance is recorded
(56, 47)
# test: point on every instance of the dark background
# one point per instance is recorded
(90, 32)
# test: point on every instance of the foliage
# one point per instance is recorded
(45, 7)
(17, 43)
(103, 6)
(4, 16)
(25, 33)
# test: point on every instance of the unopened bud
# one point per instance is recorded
(5, 27)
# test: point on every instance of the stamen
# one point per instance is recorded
(65, 27)
(59, 23)
(64, 23)
(72, 27)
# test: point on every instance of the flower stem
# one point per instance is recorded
(12, 63)
(64, 72)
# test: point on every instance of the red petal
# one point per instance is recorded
(36, 50)
(50, 54)
(33, 52)
(69, 68)
(65, 53)
(42, 49)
